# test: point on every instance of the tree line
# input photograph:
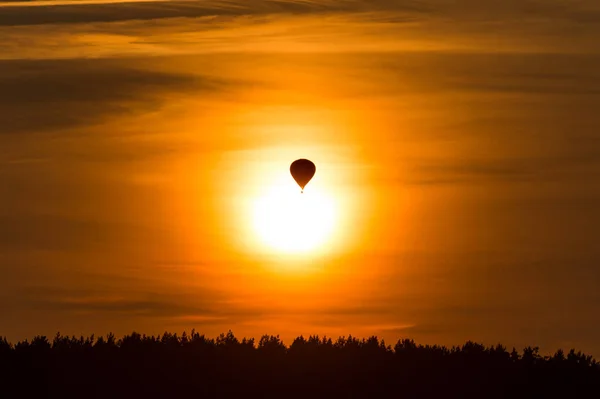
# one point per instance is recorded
(171, 365)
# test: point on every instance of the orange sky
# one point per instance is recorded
(456, 145)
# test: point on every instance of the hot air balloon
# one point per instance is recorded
(302, 171)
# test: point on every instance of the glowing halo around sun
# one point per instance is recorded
(289, 221)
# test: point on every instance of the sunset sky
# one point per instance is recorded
(145, 185)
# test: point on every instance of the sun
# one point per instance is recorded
(289, 221)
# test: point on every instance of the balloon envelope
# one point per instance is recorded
(302, 171)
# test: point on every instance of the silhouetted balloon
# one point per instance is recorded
(302, 171)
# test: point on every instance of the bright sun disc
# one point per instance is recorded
(292, 222)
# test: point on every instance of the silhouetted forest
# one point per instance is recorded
(194, 366)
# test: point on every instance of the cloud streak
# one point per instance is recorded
(193, 27)
(66, 13)
(76, 93)
(15, 13)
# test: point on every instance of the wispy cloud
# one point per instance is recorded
(41, 12)
(191, 27)
(69, 94)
